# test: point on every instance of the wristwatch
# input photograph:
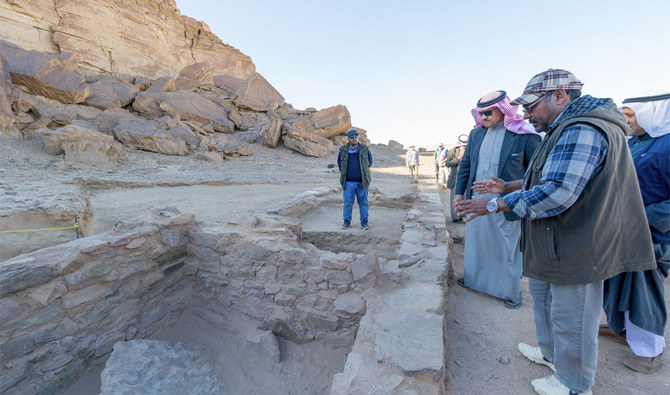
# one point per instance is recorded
(492, 205)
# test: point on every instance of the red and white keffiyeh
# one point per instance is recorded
(513, 121)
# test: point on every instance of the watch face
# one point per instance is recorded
(492, 205)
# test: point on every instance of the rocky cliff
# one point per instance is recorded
(120, 37)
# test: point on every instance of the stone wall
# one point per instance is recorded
(65, 305)
(261, 268)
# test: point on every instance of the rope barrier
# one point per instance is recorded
(35, 230)
(75, 227)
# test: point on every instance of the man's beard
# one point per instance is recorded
(539, 127)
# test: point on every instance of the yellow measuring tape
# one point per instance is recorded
(76, 225)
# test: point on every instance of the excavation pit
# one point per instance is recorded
(229, 287)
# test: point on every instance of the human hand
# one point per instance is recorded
(495, 185)
(473, 208)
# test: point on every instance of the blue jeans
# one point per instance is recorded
(566, 322)
(354, 190)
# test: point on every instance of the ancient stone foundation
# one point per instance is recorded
(64, 306)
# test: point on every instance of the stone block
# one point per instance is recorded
(322, 322)
(75, 298)
(184, 368)
(365, 271)
(351, 303)
(264, 343)
(16, 275)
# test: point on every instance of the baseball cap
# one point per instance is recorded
(547, 81)
(352, 132)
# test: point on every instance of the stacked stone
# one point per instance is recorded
(292, 288)
(64, 305)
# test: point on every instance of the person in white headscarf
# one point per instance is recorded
(633, 301)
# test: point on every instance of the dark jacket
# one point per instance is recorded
(653, 171)
(515, 154)
(453, 159)
(605, 231)
(364, 160)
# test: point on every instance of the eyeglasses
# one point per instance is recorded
(487, 113)
(527, 108)
(353, 137)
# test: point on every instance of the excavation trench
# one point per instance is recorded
(236, 284)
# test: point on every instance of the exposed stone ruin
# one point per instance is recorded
(66, 306)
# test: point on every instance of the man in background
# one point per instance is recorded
(412, 161)
(354, 161)
(442, 175)
(439, 158)
(633, 301)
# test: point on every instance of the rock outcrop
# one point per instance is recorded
(306, 143)
(80, 144)
(149, 136)
(108, 92)
(256, 94)
(326, 123)
(120, 37)
(46, 75)
(186, 105)
(272, 134)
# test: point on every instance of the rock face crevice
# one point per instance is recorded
(120, 37)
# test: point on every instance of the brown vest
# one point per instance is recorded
(605, 232)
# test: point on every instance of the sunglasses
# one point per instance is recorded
(487, 113)
(529, 107)
(354, 136)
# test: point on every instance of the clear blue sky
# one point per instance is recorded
(412, 70)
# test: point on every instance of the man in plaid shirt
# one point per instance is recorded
(579, 183)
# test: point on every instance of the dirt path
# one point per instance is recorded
(482, 337)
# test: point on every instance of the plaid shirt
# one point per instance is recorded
(574, 160)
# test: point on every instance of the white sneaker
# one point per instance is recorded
(551, 386)
(535, 355)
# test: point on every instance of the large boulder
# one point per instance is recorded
(272, 134)
(8, 95)
(52, 111)
(109, 92)
(256, 94)
(148, 136)
(326, 123)
(80, 144)
(306, 143)
(195, 75)
(228, 83)
(162, 84)
(47, 75)
(109, 118)
(395, 145)
(94, 152)
(184, 105)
